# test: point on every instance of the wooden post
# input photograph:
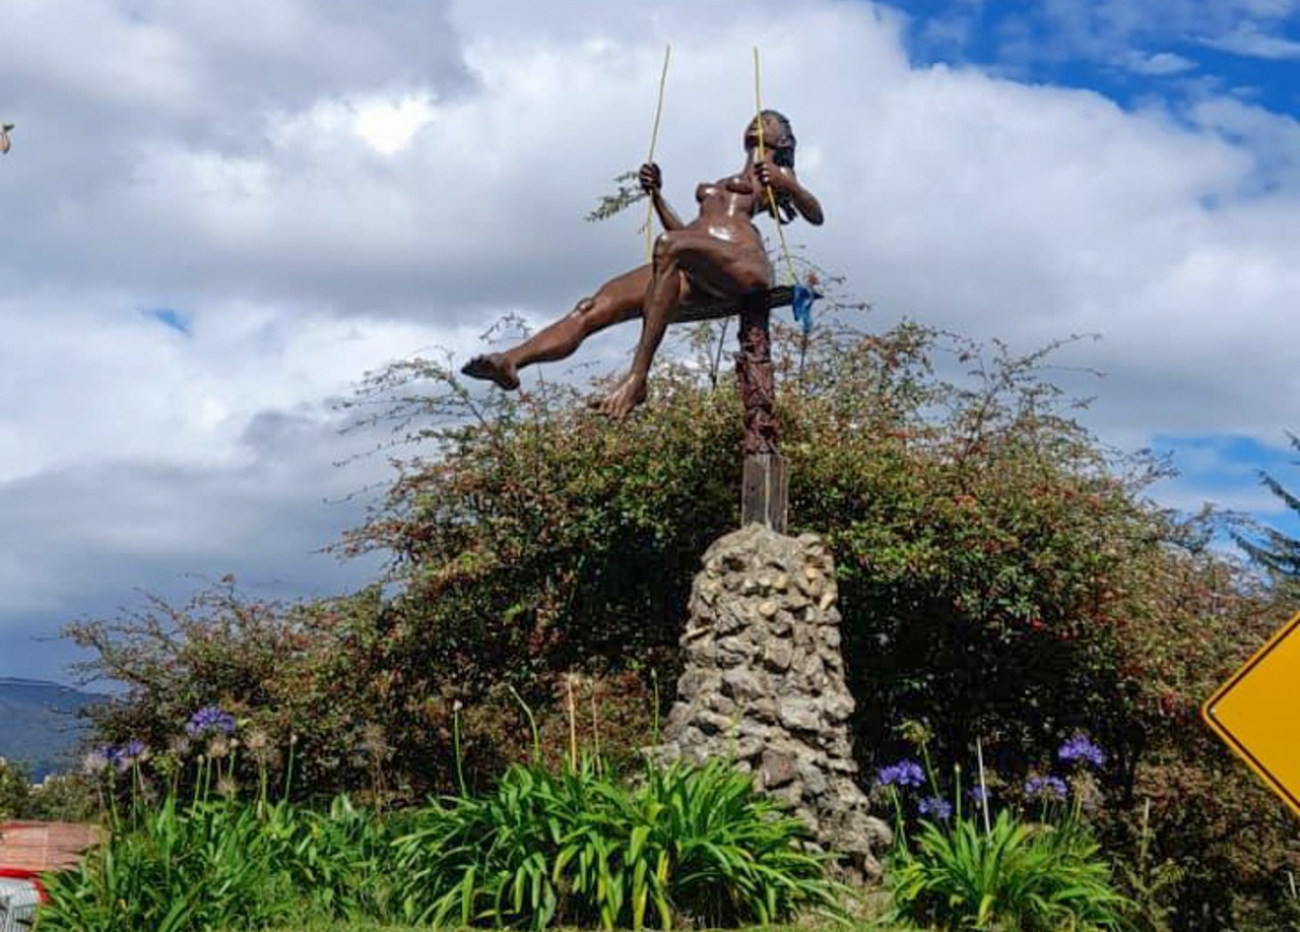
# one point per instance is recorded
(764, 484)
(764, 491)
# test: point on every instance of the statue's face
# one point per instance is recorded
(773, 133)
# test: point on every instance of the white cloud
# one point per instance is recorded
(1158, 64)
(389, 125)
(1249, 40)
(356, 182)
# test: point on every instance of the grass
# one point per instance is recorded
(354, 927)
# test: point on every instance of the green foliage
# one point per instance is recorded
(206, 866)
(983, 540)
(340, 861)
(959, 869)
(289, 672)
(1028, 877)
(58, 798)
(1278, 553)
(1000, 575)
(67, 798)
(685, 845)
(213, 859)
(1194, 619)
(367, 927)
(225, 864)
(61, 798)
(1149, 883)
(628, 193)
(15, 790)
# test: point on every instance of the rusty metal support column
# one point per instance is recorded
(764, 484)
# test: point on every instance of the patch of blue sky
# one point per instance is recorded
(170, 318)
(1152, 58)
(1224, 470)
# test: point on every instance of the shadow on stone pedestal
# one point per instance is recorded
(764, 683)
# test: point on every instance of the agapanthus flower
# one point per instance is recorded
(96, 761)
(977, 795)
(126, 756)
(904, 773)
(1046, 787)
(210, 720)
(1080, 749)
(935, 807)
(103, 758)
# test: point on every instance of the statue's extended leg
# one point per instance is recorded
(494, 367)
(665, 292)
(708, 261)
(612, 303)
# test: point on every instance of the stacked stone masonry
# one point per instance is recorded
(763, 683)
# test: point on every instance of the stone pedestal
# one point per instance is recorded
(764, 683)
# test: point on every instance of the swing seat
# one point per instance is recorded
(694, 313)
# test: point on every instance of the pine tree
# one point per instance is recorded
(1275, 551)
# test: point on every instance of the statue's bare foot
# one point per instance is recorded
(493, 366)
(623, 397)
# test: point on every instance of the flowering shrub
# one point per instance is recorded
(194, 673)
(965, 869)
(1029, 877)
(215, 855)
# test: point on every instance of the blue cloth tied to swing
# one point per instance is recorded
(801, 304)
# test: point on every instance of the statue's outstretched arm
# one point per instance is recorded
(652, 184)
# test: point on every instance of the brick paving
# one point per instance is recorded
(43, 846)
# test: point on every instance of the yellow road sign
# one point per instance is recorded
(1255, 712)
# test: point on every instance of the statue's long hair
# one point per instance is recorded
(782, 150)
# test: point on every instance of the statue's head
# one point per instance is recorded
(778, 137)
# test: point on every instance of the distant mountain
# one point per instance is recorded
(39, 724)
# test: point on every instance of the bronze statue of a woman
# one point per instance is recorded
(717, 256)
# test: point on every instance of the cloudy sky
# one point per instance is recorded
(219, 215)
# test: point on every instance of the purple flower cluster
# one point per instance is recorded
(935, 807)
(120, 758)
(1046, 788)
(1080, 750)
(210, 720)
(904, 773)
(110, 755)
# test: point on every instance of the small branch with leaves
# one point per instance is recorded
(628, 193)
